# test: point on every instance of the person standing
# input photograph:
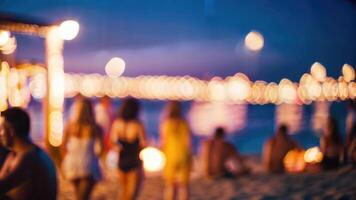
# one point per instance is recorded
(80, 162)
(176, 145)
(128, 137)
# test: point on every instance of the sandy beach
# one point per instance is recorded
(339, 184)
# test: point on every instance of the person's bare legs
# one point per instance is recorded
(169, 190)
(132, 184)
(85, 188)
(183, 191)
(123, 183)
(75, 183)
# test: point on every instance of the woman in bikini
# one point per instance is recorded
(128, 137)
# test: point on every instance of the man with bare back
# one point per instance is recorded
(276, 148)
(216, 153)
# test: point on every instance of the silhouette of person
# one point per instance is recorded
(28, 172)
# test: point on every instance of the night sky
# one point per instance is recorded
(202, 38)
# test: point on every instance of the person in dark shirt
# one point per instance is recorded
(28, 172)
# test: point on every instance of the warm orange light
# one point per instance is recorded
(37, 86)
(257, 93)
(294, 161)
(330, 89)
(56, 127)
(352, 90)
(343, 90)
(4, 37)
(15, 98)
(348, 72)
(271, 93)
(9, 47)
(254, 41)
(313, 155)
(238, 87)
(287, 91)
(217, 90)
(314, 90)
(318, 71)
(153, 159)
(55, 83)
(69, 29)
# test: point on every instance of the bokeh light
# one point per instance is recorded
(318, 72)
(37, 86)
(348, 72)
(238, 87)
(69, 29)
(313, 155)
(9, 47)
(4, 37)
(56, 127)
(217, 89)
(153, 159)
(115, 67)
(287, 91)
(294, 161)
(254, 41)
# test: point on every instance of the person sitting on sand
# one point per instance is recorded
(28, 172)
(331, 145)
(215, 154)
(276, 148)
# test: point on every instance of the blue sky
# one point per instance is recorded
(199, 37)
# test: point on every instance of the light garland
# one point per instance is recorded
(237, 89)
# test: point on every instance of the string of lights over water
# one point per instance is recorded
(17, 85)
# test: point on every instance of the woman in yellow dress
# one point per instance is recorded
(176, 145)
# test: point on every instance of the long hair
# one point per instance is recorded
(129, 109)
(85, 113)
(173, 110)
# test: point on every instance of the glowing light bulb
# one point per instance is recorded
(69, 29)
(153, 159)
(115, 67)
(254, 41)
(348, 72)
(313, 155)
(4, 37)
(318, 72)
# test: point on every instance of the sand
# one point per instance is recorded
(338, 184)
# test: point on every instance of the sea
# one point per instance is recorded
(247, 126)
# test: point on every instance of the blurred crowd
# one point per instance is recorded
(28, 172)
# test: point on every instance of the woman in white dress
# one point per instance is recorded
(81, 164)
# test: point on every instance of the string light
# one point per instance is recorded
(254, 41)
